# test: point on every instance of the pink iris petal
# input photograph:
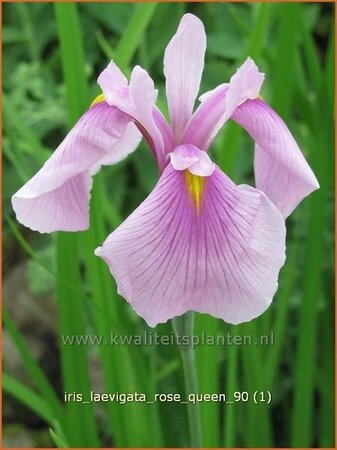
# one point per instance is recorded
(204, 167)
(218, 105)
(245, 84)
(184, 156)
(281, 170)
(57, 197)
(183, 66)
(114, 85)
(189, 157)
(206, 121)
(164, 129)
(138, 99)
(224, 258)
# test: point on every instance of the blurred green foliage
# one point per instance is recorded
(294, 45)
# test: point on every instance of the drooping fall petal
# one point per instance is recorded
(218, 105)
(183, 66)
(57, 197)
(281, 170)
(201, 244)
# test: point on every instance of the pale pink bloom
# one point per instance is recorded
(198, 241)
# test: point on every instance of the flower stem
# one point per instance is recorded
(184, 325)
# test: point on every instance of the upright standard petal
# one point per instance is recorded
(183, 66)
(218, 105)
(201, 244)
(281, 170)
(57, 197)
(138, 99)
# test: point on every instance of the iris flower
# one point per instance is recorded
(198, 242)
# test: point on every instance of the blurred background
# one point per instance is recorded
(53, 285)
